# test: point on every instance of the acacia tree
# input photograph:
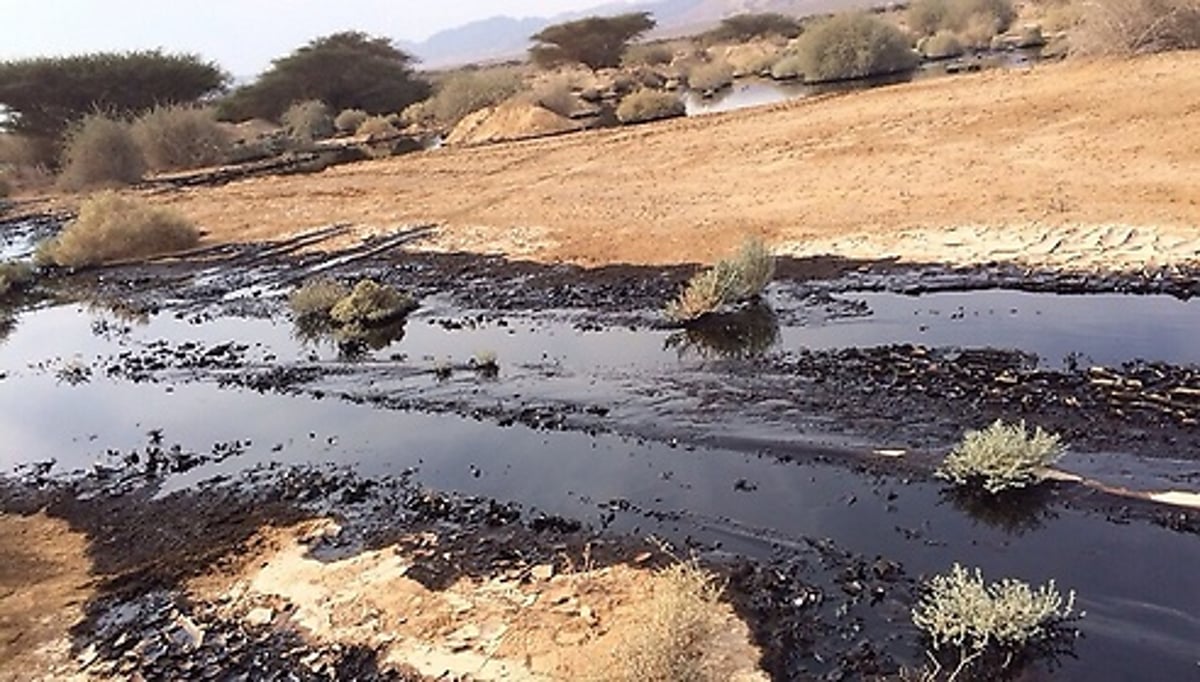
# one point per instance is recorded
(46, 95)
(348, 70)
(596, 42)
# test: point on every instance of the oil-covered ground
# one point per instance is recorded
(165, 414)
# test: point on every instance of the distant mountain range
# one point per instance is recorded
(502, 36)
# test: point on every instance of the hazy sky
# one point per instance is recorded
(242, 35)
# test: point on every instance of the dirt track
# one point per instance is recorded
(1044, 161)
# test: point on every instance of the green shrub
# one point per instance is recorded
(468, 91)
(848, 45)
(14, 276)
(961, 613)
(51, 94)
(710, 76)
(181, 137)
(1129, 27)
(941, 45)
(100, 152)
(349, 120)
(347, 70)
(1001, 457)
(308, 121)
(111, 227)
(742, 28)
(733, 280)
(649, 105)
(595, 42)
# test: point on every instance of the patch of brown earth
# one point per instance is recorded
(526, 624)
(512, 120)
(1079, 164)
(45, 580)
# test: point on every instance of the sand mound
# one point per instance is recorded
(512, 120)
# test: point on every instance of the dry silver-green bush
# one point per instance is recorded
(465, 92)
(370, 303)
(307, 121)
(181, 137)
(111, 227)
(676, 633)
(847, 45)
(1001, 457)
(990, 17)
(1129, 27)
(15, 275)
(961, 613)
(316, 298)
(648, 54)
(349, 120)
(941, 45)
(100, 152)
(649, 105)
(557, 94)
(376, 126)
(710, 76)
(732, 280)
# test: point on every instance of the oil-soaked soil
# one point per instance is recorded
(790, 443)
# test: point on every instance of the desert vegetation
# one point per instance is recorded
(848, 45)
(180, 137)
(647, 105)
(709, 77)
(732, 280)
(941, 45)
(111, 227)
(100, 152)
(742, 28)
(1131, 27)
(1001, 457)
(348, 120)
(368, 315)
(676, 633)
(974, 22)
(467, 91)
(595, 42)
(50, 95)
(986, 626)
(307, 121)
(349, 70)
(14, 276)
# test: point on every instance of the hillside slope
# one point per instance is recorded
(1031, 164)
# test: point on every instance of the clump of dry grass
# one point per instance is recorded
(376, 126)
(557, 94)
(181, 137)
(649, 105)
(465, 92)
(369, 304)
(710, 76)
(1129, 27)
(941, 45)
(961, 613)
(315, 298)
(674, 637)
(349, 120)
(100, 152)
(847, 45)
(308, 121)
(1001, 457)
(733, 280)
(14, 276)
(111, 227)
